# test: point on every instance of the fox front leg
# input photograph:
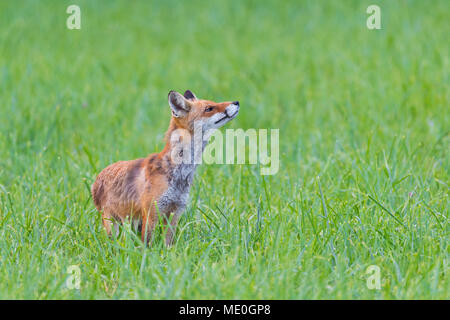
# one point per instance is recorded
(171, 225)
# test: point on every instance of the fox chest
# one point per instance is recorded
(175, 198)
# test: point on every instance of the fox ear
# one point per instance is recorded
(190, 95)
(180, 105)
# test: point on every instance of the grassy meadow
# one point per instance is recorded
(364, 148)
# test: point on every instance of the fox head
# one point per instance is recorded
(187, 110)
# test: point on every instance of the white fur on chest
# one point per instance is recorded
(176, 197)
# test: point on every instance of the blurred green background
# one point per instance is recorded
(364, 139)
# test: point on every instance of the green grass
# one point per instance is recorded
(364, 139)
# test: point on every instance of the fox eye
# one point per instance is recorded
(209, 109)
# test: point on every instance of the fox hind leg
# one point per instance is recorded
(108, 222)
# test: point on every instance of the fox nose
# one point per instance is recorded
(236, 103)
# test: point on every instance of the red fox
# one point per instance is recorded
(140, 189)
